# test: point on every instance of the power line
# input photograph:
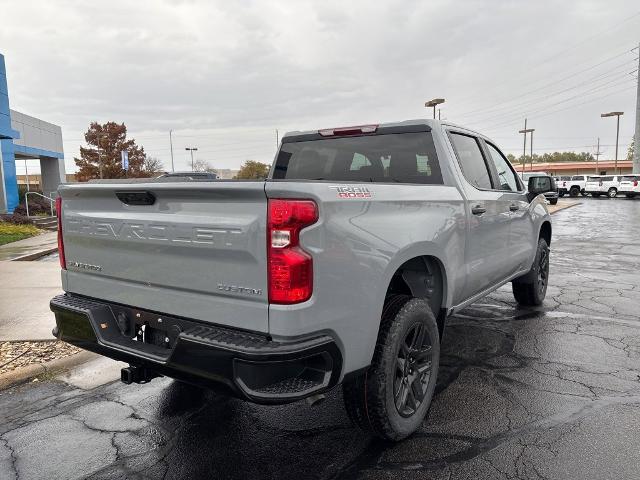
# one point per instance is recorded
(543, 87)
(512, 122)
(595, 89)
(602, 76)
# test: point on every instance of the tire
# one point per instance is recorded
(583, 193)
(553, 201)
(597, 195)
(612, 192)
(385, 401)
(561, 194)
(574, 192)
(530, 289)
(630, 195)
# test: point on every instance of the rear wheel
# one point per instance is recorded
(583, 193)
(553, 201)
(612, 192)
(392, 398)
(574, 192)
(630, 195)
(531, 288)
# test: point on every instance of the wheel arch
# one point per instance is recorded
(545, 231)
(423, 276)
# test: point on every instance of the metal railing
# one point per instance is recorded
(26, 201)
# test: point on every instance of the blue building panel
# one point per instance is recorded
(10, 179)
(36, 152)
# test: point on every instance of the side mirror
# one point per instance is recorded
(540, 184)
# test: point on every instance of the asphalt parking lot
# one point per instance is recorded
(545, 393)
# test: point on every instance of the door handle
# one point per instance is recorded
(478, 210)
(514, 208)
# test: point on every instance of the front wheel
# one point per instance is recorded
(612, 192)
(553, 201)
(392, 398)
(531, 288)
(574, 192)
(583, 193)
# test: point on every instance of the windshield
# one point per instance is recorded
(398, 157)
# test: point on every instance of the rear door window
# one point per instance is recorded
(472, 163)
(397, 157)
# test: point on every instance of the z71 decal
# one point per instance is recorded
(351, 191)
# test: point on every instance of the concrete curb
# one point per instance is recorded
(25, 374)
(565, 207)
(34, 256)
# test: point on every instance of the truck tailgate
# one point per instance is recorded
(194, 250)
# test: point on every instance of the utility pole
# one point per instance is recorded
(191, 149)
(526, 130)
(636, 145)
(171, 145)
(439, 114)
(597, 154)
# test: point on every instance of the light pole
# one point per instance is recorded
(191, 149)
(434, 103)
(531, 147)
(171, 145)
(98, 137)
(615, 114)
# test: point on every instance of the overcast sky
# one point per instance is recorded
(225, 74)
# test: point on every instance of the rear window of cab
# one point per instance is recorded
(393, 157)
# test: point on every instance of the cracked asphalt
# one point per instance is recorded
(552, 392)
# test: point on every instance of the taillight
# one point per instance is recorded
(635, 183)
(63, 262)
(346, 131)
(290, 268)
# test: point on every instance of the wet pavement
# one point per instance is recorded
(545, 393)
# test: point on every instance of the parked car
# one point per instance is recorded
(341, 268)
(573, 185)
(629, 185)
(552, 195)
(598, 185)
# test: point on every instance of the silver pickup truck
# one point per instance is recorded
(340, 268)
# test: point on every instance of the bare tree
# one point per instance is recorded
(203, 166)
(152, 165)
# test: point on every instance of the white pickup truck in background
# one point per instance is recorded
(572, 185)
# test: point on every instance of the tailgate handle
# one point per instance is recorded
(139, 197)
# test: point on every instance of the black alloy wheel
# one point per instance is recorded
(413, 370)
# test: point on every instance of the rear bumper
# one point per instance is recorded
(248, 365)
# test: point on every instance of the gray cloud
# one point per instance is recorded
(224, 75)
